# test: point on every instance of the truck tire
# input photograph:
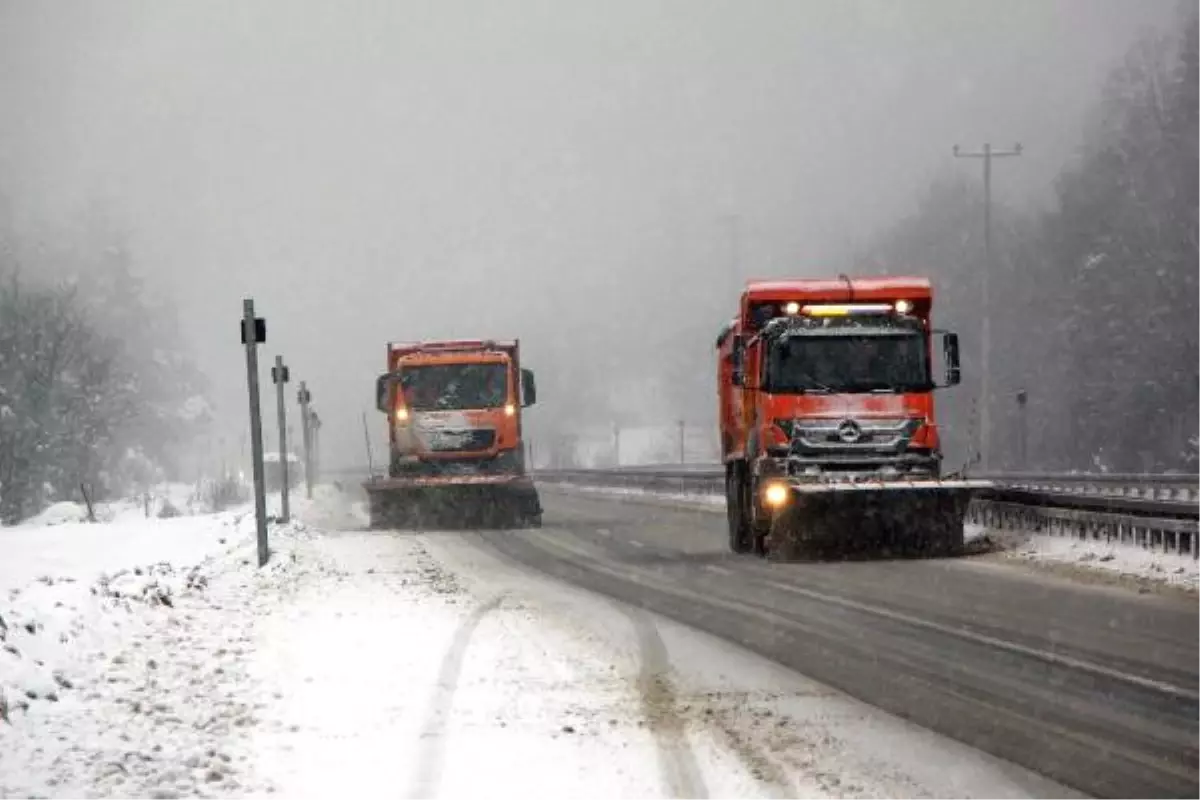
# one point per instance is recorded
(736, 513)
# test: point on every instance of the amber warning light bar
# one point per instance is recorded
(848, 309)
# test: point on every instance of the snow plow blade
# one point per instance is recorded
(485, 501)
(890, 518)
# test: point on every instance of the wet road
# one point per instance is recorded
(1091, 686)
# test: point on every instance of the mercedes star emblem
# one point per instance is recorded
(849, 432)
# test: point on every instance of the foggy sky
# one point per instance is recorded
(565, 172)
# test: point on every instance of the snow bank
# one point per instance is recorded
(162, 501)
(84, 551)
(1175, 569)
(118, 681)
(60, 514)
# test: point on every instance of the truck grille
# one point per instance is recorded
(829, 437)
(469, 440)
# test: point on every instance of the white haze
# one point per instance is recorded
(565, 173)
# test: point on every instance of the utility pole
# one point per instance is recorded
(1023, 442)
(682, 443)
(616, 445)
(314, 422)
(304, 397)
(985, 429)
(280, 375)
(254, 333)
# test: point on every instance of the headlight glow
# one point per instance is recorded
(775, 495)
(509, 410)
(401, 414)
(903, 306)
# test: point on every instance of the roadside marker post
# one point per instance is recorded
(280, 375)
(254, 333)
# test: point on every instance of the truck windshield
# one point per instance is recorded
(453, 387)
(893, 361)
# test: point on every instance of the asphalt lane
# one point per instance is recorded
(1092, 687)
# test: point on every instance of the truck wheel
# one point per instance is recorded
(735, 509)
(760, 544)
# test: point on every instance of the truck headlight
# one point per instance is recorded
(401, 414)
(776, 495)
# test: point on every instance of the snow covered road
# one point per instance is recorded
(420, 665)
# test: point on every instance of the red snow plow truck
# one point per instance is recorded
(828, 432)
(456, 446)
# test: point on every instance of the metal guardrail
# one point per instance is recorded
(1166, 534)
(1149, 511)
(1164, 487)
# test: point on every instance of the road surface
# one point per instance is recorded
(1093, 687)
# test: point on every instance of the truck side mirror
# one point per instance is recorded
(381, 392)
(737, 356)
(950, 349)
(528, 388)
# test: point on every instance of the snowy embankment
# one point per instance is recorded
(371, 663)
(115, 664)
(1113, 558)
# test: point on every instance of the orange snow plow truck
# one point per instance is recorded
(456, 449)
(828, 432)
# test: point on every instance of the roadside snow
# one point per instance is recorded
(166, 500)
(973, 531)
(381, 663)
(83, 550)
(118, 665)
(59, 514)
(1177, 569)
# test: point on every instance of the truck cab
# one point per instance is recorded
(455, 407)
(456, 441)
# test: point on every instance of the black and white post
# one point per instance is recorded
(254, 333)
(304, 397)
(280, 375)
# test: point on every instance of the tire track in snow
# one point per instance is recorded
(676, 761)
(433, 733)
(768, 774)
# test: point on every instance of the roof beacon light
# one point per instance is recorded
(845, 310)
(903, 306)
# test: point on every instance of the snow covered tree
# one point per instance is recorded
(1093, 304)
(94, 386)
